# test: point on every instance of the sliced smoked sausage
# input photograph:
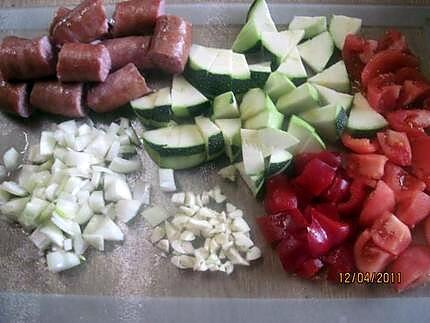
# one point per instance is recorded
(63, 99)
(171, 43)
(83, 24)
(136, 17)
(26, 59)
(78, 62)
(14, 98)
(131, 49)
(120, 87)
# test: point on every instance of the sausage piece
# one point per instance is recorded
(79, 62)
(136, 17)
(14, 98)
(63, 99)
(131, 49)
(120, 87)
(83, 24)
(60, 14)
(26, 59)
(171, 44)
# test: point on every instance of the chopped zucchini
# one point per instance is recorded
(309, 140)
(277, 85)
(329, 121)
(187, 101)
(259, 74)
(177, 161)
(329, 96)
(316, 52)
(241, 76)
(220, 72)
(144, 106)
(278, 45)
(335, 77)
(154, 107)
(253, 102)
(269, 118)
(301, 99)
(311, 25)
(278, 162)
(253, 159)
(363, 119)
(293, 66)
(225, 106)
(255, 182)
(340, 26)
(230, 129)
(214, 140)
(269, 139)
(149, 123)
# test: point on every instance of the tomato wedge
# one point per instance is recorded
(381, 200)
(393, 39)
(412, 122)
(400, 180)
(409, 73)
(412, 91)
(359, 145)
(413, 208)
(396, 147)
(368, 256)
(427, 230)
(383, 92)
(386, 61)
(390, 234)
(421, 158)
(370, 166)
(414, 266)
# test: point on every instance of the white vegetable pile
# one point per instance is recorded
(199, 237)
(73, 191)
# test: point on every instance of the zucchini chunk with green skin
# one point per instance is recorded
(329, 96)
(335, 77)
(311, 25)
(187, 101)
(149, 123)
(144, 106)
(278, 162)
(220, 73)
(212, 135)
(309, 139)
(196, 71)
(225, 106)
(301, 99)
(253, 102)
(269, 139)
(259, 74)
(329, 121)
(278, 45)
(156, 106)
(341, 26)
(176, 162)
(316, 52)
(293, 66)
(269, 118)
(363, 119)
(277, 85)
(255, 182)
(253, 159)
(230, 129)
(241, 76)
(258, 20)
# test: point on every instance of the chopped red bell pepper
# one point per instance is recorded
(358, 193)
(338, 190)
(339, 260)
(309, 268)
(316, 177)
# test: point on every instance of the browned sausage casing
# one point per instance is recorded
(120, 87)
(131, 49)
(14, 98)
(63, 99)
(26, 59)
(85, 23)
(59, 15)
(79, 62)
(171, 44)
(136, 17)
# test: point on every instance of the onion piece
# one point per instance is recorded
(53, 233)
(34, 155)
(31, 212)
(66, 225)
(47, 143)
(4, 196)
(66, 208)
(69, 127)
(51, 191)
(114, 150)
(124, 166)
(68, 245)
(14, 207)
(11, 159)
(96, 201)
(84, 214)
(116, 189)
(127, 209)
(79, 245)
(39, 239)
(167, 180)
(155, 215)
(99, 146)
(104, 226)
(61, 260)
(95, 240)
(13, 188)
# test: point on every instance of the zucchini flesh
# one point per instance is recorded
(316, 52)
(212, 135)
(293, 66)
(301, 99)
(311, 25)
(335, 77)
(187, 101)
(340, 26)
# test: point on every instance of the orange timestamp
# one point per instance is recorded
(370, 278)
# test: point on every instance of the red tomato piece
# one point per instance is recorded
(293, 252)
(427, 230)
(316, 177)
(421, 158)
(378, 202)
(412, 122)
(383, 93)
(359, 145)
(328, 209)
(413, 208)
(395, 146)
(339, 260)
(369, 166)
(368, 256)
(413, 91)
(309, 268)
(325, 233)
(400, 180)
(331, 158)
(358, 194)
(390, 234)
(409, 73)
(280, 199)
(338, 191)
(414, 266)
(385, 62)
(393, 39)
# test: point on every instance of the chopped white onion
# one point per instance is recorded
(124, 166)
(84, 214)
(4, 196)
(13, 188)
(11, 159)
(96, 201)
(47, 143)
(127, 209)
(60, 260)
(79, 245)
(116, 189)
(104, 226)
(40, 240)
(114, 151)
(68, 226)
(95, 240)
(178, 198)
(167, 180)
(68, 245)
(155, 215)
(53, 233)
